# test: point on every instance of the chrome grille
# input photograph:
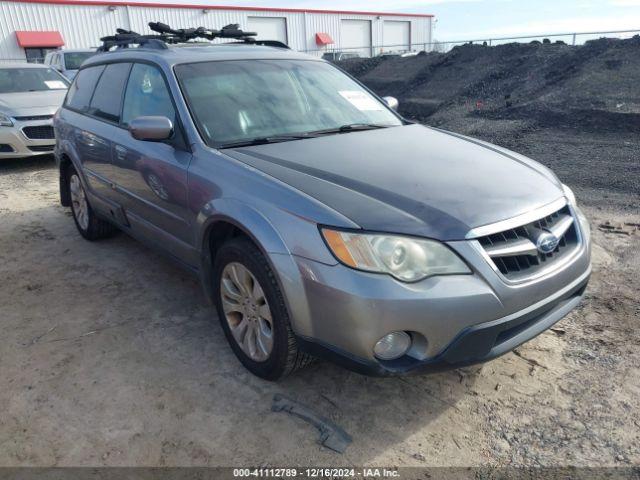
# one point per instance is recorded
(515, 252)
(39, 132)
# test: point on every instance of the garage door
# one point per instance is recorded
(355, 36)
(396, 36)
(268, 28)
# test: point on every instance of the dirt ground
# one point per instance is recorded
(111, 356)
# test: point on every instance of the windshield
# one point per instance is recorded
(72, 61)
(14, 80)
(233, 101)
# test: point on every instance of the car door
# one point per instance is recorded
(92, 149)
(151, 177)
(105, 110)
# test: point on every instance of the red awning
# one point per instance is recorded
(39, 39)
(323, 39)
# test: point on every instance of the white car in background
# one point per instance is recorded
(30, 95)
(67, 62)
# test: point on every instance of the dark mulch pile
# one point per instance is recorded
(576, 109)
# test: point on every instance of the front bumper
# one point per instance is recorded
(476, 344)
(454, 320)
(15, 144)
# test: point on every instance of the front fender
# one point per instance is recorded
(243, 216)
(268, 239)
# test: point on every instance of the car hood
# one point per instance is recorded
(410, 179)
(31, 103)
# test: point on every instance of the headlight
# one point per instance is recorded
(407, 259)
(569, 194)
(584, 221)
(5, 120)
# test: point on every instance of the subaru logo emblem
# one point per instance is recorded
(547, 242)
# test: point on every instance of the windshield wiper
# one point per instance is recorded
(351, 127)
(265, 140)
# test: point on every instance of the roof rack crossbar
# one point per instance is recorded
(166, 35)
(267, 43)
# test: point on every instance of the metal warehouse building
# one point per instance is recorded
(30, 28)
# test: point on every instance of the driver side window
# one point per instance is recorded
(146, 95)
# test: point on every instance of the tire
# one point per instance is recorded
(283, 356)
(88, 224)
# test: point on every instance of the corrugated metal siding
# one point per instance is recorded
(82, 25)
(141, 16)
(420, 30)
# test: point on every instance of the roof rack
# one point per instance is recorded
(166, 35)
(266, 43)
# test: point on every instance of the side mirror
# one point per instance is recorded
(151, 129)
(392, 102)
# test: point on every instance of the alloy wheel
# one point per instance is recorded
(247, 311)
(79, 202)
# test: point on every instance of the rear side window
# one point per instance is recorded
(147, 94)
(82, 88)
(107, 98)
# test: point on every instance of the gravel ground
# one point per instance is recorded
(111, 356)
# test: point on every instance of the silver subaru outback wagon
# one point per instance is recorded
(320, 222)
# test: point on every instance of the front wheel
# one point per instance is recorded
(89, 225)
(252, 312)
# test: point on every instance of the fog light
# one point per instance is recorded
(392, 346)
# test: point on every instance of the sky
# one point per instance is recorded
(471, 19)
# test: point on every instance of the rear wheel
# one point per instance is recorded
(89, 225)
(252, 312)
